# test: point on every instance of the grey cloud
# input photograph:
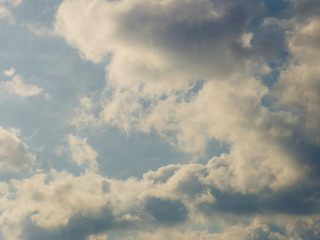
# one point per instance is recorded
(232, 203)
(166, 211)
(302, 202)
(79, 227)
(306, 8)
(205, 43)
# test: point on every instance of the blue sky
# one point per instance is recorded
(148, 119)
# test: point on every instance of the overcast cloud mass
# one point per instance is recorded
(160, 120)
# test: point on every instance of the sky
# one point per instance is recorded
(159, 119)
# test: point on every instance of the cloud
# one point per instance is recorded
(14, 154)
(180, 40)
(6, 5)
(10, 72)
(191, 74)
(166, 211)
(298, 87)
(84, 115)
(17, 86)
(59, 205)
(98, 237)
(81, 152)
(192, 71)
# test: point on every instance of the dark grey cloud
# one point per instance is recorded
(230, 203)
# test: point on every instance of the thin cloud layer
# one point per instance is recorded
(239, 73)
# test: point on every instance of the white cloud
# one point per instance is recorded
(10, 72)
(82, 153)
(17, 86)
(14, 154)
(98, 237)
(299, 86)
(62, 202)
(158, 41)
(49, 201)
(84, 115)
(5, 8)
(153, 82)
(189, 70)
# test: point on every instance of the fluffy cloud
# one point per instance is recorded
(17, 86)
(160, 41)
(14, 154)
(60, 205)
(299, 86)
(190, 70)
(81, 152)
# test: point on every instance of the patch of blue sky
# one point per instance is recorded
(276, 6)
(39, 12)
(122, 155)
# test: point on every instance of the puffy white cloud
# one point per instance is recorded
(82, 153)
(188, 70)
(163, 42)
(14, 154)
(59, 205)
(17, 86)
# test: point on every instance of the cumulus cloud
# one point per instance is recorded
(60, 205)
(160, 41)
(81, 152)
(298, 86)
(14, 154)
(192, 71)
(17, 86)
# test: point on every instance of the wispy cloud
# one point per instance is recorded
(81, 152)
(17, 86)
